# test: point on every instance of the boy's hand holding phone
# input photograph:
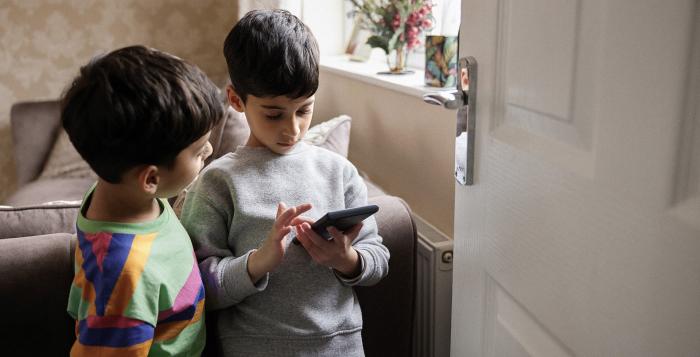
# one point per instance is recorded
(336, 253)
(266, 258)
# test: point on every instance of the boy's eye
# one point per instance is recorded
(304, 112)
(273, 116)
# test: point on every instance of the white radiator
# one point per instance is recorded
(433, 292)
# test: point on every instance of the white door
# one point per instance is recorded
(581, 233)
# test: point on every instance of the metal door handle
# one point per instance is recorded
(453, 99)
(463, 96)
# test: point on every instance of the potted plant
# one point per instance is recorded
(396, 26)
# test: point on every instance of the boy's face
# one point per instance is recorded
(187, 165)
(277, 123)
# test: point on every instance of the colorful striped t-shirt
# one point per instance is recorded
(137, 289)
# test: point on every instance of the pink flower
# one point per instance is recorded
(427, 23)
(413, 43)
(412, 19)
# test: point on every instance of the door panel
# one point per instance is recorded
(512, 331)
(686, 198)
(581, 235)
(540, 102)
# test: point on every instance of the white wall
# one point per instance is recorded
(44, 43)
(405, 145)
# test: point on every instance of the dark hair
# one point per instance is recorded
(137, 106)
(271, 53)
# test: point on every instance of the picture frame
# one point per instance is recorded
(357, 47)
(441, 60)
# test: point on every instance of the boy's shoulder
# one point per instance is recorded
(216, 176)
(327, 153)
(158, 244)
(120, 238)
(221, 165)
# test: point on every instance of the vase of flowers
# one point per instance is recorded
(396, 27)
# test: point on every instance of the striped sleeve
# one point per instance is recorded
(111, 267)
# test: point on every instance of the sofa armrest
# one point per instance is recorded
(36, 275)
(34, 128)
(388, 308)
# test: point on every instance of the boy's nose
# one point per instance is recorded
(293, 127)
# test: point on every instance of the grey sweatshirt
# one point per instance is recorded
(301, 308)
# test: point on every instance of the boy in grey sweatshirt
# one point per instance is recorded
(274, 298)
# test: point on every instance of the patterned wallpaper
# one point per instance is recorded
(44, 42)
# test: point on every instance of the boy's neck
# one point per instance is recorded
(120, 203)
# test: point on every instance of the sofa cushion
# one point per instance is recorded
(51, 217)
(59, 189)
(34, 127)
(333, 134)
(37, 273)
(65, 162)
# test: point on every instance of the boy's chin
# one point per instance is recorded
(282, 148)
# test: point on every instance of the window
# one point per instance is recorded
(329, 21)
(326, 18)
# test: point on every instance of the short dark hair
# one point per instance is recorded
(271, 53)
(137, 106)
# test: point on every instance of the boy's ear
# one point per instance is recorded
(234, 99)
(148, 179)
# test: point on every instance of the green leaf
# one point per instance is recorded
(391, 44)
(377, 41)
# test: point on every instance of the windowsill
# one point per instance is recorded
(411, 84)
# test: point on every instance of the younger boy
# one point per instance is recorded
(141, 119)
(277, 299)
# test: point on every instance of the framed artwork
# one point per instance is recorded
(357, 47)
(441, 60)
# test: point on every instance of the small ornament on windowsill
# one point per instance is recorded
(396, 26)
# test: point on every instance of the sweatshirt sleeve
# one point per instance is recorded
(206, 215)
(374, 256)
(105, 330)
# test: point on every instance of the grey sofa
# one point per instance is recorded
(36, 264)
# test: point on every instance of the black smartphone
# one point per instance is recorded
(341, 220)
